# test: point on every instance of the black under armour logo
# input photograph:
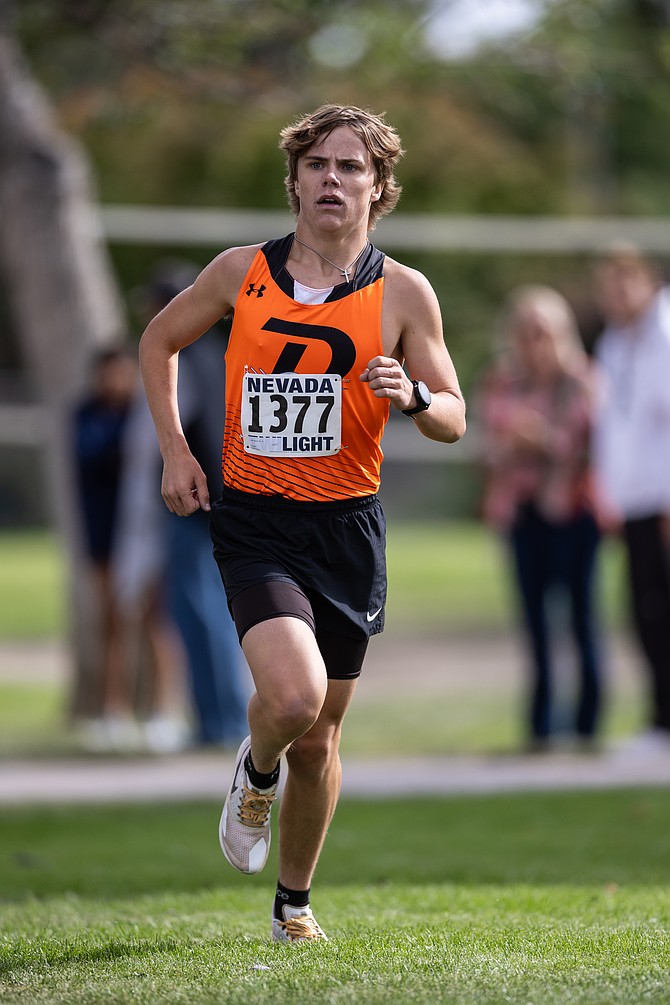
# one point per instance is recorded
(252, 289)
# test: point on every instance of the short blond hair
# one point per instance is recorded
(381, 140)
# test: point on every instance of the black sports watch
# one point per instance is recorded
(423, 398)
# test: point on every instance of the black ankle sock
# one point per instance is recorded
(283, 896)
(257, 778)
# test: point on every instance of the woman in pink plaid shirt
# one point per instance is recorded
(536, 409)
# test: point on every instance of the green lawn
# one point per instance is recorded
(559, 898)
(445, 578)
(32, 585)
(441, 576)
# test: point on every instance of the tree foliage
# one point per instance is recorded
(180, 102)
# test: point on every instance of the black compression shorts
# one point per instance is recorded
(343, 656)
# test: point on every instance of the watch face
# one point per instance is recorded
(422, 397)
(422, 394)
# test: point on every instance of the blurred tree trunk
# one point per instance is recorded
(62, 296)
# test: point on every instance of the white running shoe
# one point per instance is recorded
(244, 830)
(299, 925)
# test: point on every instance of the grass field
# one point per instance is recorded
(527, 900)
(32, 585)
(448, 575)
(445, 579)
(533, 899)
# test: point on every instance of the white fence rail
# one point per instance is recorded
(23, 425)
(225, 228)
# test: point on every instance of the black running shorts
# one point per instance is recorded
(332, 553)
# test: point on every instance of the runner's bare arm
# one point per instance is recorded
(412, 331)
(184, 320)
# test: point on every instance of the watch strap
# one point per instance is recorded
(420, 406)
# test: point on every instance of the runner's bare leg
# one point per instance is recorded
(291, 686)
(296, 711)
(312, 790)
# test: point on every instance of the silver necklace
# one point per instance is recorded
(344, 272)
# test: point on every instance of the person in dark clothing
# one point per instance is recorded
(99, 425)
(128, 717)
(536, 406)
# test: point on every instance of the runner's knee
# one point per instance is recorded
(312, 754)
(295, 713)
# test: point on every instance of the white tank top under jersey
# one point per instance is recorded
(306, 295)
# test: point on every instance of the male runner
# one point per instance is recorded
(322, 324)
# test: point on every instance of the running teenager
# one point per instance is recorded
(324, 327)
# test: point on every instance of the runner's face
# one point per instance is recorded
(336, 181)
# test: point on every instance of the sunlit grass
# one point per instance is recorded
(559, 898)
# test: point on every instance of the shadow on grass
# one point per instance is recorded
(580, 838)
(66, 952)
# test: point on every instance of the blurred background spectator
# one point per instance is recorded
(158, 546)
(100, 427)
(535, 407)
(633, 458)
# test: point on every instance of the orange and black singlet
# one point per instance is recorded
(299, 421)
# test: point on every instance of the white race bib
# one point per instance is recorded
(292, 414)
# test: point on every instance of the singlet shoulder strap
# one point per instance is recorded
(276, 252)
(370, 268)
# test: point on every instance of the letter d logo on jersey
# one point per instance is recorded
(342, 348)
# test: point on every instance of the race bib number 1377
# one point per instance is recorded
(292, 414)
